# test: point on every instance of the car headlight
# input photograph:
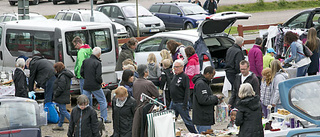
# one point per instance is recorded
(141, 25)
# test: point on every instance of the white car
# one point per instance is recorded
(84, 15)
(14, 16)
(210, 30)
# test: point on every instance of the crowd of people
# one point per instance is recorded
(254, 85)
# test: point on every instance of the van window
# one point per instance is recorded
(0, 35)
(60, 15)
(76, 17)
(98, 38)
(29, 43)
(154, 8)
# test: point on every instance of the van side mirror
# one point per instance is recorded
(120, 17)
(179, 14)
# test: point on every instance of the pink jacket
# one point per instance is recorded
(256, 60)
(192, 68)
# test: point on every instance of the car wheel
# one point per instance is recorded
(35, 2)
(12, 3)
(76, 1)
(55, 2)
(49, 0)
(130, 32)
(188, 26)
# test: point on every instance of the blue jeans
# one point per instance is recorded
(48, 90)
(302, 71)
(81, 83)
(202, 128)
(101, 98)
(63, 113)
(178, 108)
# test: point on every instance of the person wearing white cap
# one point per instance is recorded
(268, 58)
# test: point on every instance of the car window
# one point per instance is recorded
(0, 35)
(298, 21)
(305, 98)
(130, 11)
(1, 18)
(60, 15)
(316, 20)
(154, 8)
(76, 17)
(193, 9)
(212, 42)
(174, 10)
(7, 18)
(150, 45)
(29, 43)
(184, 42)
(106, 10)
(68, 16)
(164, 9)
(14, 19)
(102, 39)
(116, 12)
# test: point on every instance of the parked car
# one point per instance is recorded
(31, 2)
(14, 16)
(125, 14)
(211, 30)
(179, 15)
(113, 1)
(84, 15)
(20, 117)
(301, 97)
(55, 2)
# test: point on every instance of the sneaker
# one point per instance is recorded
(107, 121)
(57, 128)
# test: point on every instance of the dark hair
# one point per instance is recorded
(189, 51)
(125, 77)
(59, 66)
(290, 37)
(258, 41)
(132, 41)
(142, 68)
(208, 69)
(172, 46)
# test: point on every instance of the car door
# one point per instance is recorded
(117, 15)
(300, 96)
(176, 18)
(144, 48)
(163, 14)
(298, 21)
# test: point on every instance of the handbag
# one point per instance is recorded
(304, 61)
(306, 51)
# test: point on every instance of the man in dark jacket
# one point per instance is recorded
(127, 52)
(204, 101)
(233, 57)
(211, 6)
(244, 77)
(41, 71)
(91, 71)
(179, 93)
(19, 79)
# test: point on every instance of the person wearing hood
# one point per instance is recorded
(127, 52)
(249, 113)
(256, 58)
(41, 71)
(204, 101)
(154, 69)
(245, 76)
(84, 52)
(83, 120)
(61, 88)
(192, 69)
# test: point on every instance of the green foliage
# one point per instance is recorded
(260, 2)
(49, 16)
(271, 6)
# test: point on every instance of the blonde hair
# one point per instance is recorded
(165, 55)
(312, 39)
(246, 90)
(20, 63)
(129, 62)
(266, 75)
(121, 91)
(129, 66)
(152, 58)
(275, 67)
(166, 63)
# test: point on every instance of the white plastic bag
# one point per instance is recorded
(222, 112)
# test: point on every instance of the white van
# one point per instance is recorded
(53, 40)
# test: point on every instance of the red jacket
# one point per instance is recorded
(256, 60)
(192, 68)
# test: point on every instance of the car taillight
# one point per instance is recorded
(205, 58)
(60, 56)
(83, 27)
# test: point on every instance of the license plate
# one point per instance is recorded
(154, 30)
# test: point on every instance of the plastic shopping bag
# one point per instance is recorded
(221, 112)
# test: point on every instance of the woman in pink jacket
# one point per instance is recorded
(192, 68)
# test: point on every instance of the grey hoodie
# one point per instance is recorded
(154, 70)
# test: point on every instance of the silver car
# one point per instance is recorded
(14, 16)
(125, 14)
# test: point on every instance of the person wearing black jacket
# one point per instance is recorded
(123, 109)
(83, 120)
(20, 79)
(91, 71)
(244, 77)
(166, 77)
(41, 71)
(61, 88)
(233, 57)
(204, 101)
(179, 93)
(249, 113)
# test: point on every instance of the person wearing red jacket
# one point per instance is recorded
(192, 69)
